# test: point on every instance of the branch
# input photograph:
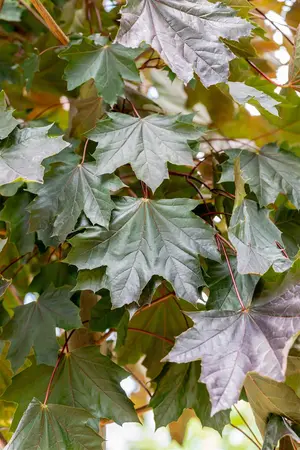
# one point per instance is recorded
(246, 435)
(50, 22)
(275, 26)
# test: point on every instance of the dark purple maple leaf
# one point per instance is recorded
(232, 343)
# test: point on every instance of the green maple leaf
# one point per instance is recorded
(15, 215)
(178, 388)
(52, 309)
(55, 426)
(89, 380)
(268, 172)
(23, 151)
(147, 238)
(7, 122)
(68, 190)
(108, 64)
(222, 294)
(254, 237)
(84, 379)
(242, 94)
(146, 143)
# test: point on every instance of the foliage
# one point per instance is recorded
(149, 223)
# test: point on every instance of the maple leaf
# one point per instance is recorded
(242, 94)
(53, 308)
(178, 388)
(268, 172)
(146, 143)
(233, 343)
(168, 241)
(108, 64)
(23, 151)
(186, 33)
(254, 237)
(69, 427)
(67, 191)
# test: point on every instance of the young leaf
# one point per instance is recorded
(52, 309)
(233, 343)
(178, 388)
(146, 143)
(23, 151)
(268, 172)
(147, 238)
(186, 33)
(68, 190)
(222, 294)
(108, 64)
(254, 237)
(89, 380)
(54, 426)
(7, 122)
(242, 94)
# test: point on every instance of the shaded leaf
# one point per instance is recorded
(294, 65)
(233, 343)
(22, 152)
(186, 34)
(146, 143)
(168, 241)
(178, 388)
(68, 190)
(50, 426)
(7, 122)
(277, 428)
(4, 284)
(254, 237)
(268, 172)
(222, 294)
(108, 64)
(52, 309)
(15, 215)
(103, 317)
(30, 66)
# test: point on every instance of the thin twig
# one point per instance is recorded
(247, 425)
(246, 435)
(98, 16)
(50, 22)
(54, 47)
(104, 337)
(1, 4)
(232, 276)
(139, 381)
(265, 75)
(134, 109)
(14, 261)
(275, 26)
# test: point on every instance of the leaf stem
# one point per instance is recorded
(247, 425)
(265, 76)
(232, 275)
(246, 435)
(56, 367)
(84, 152)
(139, 381)
(283, 251)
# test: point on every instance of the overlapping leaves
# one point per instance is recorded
(186, 34)
(147, 238)
(227, 343)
